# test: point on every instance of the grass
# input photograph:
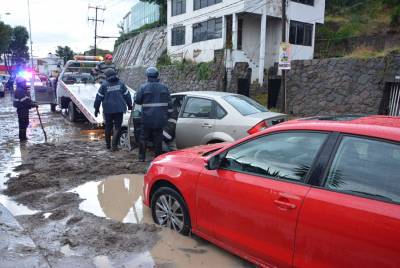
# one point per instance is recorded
(364, 52)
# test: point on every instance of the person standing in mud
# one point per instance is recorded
(115, 97)
(156, 104)
(23, 103)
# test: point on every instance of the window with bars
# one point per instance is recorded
(305, 2)
(178, 36)
(207, 30)
(301, 33)
(198, 4)
(178, 7)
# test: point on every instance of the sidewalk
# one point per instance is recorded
(16, 247)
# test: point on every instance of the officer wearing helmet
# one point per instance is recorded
(100, 69)
(155, 99)
(23, 103)
(115, 97)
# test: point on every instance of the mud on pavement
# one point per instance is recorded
(47, 173)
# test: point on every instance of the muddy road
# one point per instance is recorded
(82, 205)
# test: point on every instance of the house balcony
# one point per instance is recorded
(273, 7)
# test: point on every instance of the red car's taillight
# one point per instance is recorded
(257, 128)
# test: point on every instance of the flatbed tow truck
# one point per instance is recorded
(76, 90)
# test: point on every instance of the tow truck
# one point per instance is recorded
(76, 90)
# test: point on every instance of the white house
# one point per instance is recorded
(48, 64)
(249, 30)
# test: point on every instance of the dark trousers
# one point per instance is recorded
(145, 135)
(113, 121)
(23, 123)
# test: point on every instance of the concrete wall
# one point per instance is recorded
(141, 50)
(340, 85)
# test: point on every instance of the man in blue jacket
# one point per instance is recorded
(23, 103)
(155, 99)
(115, 97)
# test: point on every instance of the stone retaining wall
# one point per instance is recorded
(340, 85)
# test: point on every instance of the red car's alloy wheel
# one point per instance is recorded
(169, 210)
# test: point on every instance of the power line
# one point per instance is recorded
(96, 20)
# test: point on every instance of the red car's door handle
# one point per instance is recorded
(284, 204)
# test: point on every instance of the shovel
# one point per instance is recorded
(41, 124)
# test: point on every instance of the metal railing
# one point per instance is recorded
(394, 101)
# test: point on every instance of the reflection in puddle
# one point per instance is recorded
(15, 208)
(10, 162)
(120, 198)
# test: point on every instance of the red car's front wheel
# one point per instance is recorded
(169, 210)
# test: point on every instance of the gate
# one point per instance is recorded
(394, 100)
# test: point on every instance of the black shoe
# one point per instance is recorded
(108, 146)
(114, 149)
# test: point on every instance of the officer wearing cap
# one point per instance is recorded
(23, 103)
(155, 99)
(115, 97)
(100, 69)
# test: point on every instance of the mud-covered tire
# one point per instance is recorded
(72, 113)
(163, 206)
(124, 139)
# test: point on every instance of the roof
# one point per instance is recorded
(206, 93)
(385, 127)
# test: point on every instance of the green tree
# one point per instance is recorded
(5, 37)
(18, 45)
(66, 53)
(163, 9)
(99, 52)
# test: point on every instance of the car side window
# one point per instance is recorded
(286, 156)
(198, 108)
(219, 111)
(366, 167)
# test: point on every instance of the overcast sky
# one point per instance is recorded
(64, 22)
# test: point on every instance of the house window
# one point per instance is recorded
(306, 2)
(207, 30)
(178, 7)
(198, 4)
(178, 36)
(300, 33)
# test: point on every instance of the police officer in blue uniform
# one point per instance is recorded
(155, 99)
(23, 103)
(115, 97)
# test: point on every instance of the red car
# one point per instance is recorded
(316, 192)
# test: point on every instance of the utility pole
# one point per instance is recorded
(96, 8)
(30, 33)
(283, 88)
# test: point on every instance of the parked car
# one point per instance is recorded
(320, 192)
(2, 90)
(204, 117)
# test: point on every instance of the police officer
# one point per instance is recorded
(23, 103)
(103, 66)
(115, 97)
(156, 105)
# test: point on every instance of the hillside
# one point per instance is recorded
(359, 28)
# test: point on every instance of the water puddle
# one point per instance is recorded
(120, 198)
(10, 159)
